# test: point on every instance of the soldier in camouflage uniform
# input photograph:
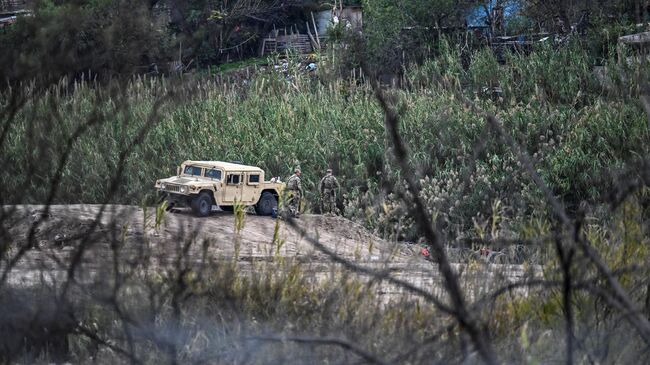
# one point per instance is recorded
(328, 186)
(294, 193)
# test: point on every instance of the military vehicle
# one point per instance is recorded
(204, 184)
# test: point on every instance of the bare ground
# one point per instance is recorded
(129, 232)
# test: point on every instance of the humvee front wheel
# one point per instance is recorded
(266, 204)
(202, 204)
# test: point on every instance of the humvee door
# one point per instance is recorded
(232, 190)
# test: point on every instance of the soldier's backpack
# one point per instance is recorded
(292, 183)
(328, 183)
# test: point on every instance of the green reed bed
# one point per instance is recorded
(573, 127)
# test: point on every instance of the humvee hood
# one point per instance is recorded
(187, 180)
(179, 180)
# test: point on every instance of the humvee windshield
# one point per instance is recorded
(213, 174)
(192, 170)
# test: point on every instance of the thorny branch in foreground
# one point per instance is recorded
(428, 229)
(565, 251)
(638, 321)
(567, 233)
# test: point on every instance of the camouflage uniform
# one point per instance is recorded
(294, 194)
(328, 186)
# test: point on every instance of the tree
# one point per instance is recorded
(105, 37)
(395, 29)
(555, 14)
(214, 31)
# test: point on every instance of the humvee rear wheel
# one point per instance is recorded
(266, 204)
(202, 204)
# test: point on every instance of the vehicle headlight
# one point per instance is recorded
(162, 186)
(183, 189)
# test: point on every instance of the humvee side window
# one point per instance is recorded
(213, 174)
(192, 170)
(253, 179)
(233, 179)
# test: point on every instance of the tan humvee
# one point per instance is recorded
(202, 184)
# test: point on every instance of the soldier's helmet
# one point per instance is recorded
(329, 171)
(296, 171)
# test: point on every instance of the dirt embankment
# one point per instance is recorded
(258, 237)
(131, 233)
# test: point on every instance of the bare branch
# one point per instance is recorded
(54, 187)
(639, 322)
(382, 275)
(427, 228)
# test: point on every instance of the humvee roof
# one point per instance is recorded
(228, 166)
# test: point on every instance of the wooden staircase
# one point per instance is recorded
(299, 43)
(269, 46)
